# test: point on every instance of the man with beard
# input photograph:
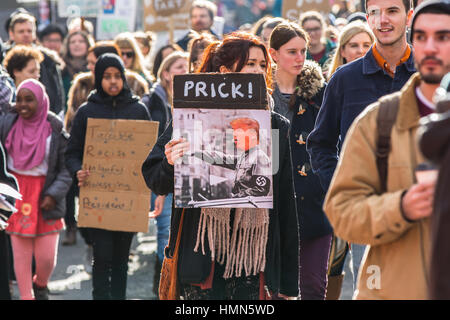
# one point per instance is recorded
(201, 14)
(384, 69)
(393, 218)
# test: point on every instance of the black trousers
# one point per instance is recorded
(242, 288)
(4, 266)
(69, 218)
(109, 272)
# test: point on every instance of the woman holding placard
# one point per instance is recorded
(34, 142)
(298, 93)
(112, 99)
(158, 102)
(271, 267)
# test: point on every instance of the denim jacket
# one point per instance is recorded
(350, 90)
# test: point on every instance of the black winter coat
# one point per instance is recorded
(157, 109)
(435, 145)
(281, 274)
(313, 222)
(123, 106)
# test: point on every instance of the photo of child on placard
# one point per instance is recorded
(229, 159)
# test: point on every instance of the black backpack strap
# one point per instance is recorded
(387, 114)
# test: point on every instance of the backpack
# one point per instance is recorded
(387, 114)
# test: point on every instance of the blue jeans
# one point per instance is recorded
(163, 224)
(356, 253)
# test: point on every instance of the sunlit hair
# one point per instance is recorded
(159, 57)
(406, 3)
(233, 52)
(126, 40)
(347, 33)
(204, 4)
(21, 18)
(196, 46)
(312, 15)
(286, 31)
(145, 38)
(104, 46)
(167, 63)
(18, 57)
(87, 38)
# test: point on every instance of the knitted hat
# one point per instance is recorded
(105, 61)
(429, 6)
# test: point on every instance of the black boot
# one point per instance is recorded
(40, 293)
(156, 276)
(71, 236)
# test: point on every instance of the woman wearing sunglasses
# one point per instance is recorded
(132, 56)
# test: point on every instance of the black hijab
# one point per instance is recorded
(105, 61)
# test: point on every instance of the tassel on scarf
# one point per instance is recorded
(247, 247)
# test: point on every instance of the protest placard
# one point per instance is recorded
(78, 8)
(292, 9)
(166, 15)
(226, 121)
(115, 196)
(114, 17)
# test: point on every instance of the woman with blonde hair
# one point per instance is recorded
(355, 40)
(145, 41)
(132, 56)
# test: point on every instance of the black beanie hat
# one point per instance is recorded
(105, 61)
(429, 6)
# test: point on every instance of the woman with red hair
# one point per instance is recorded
(206, 271)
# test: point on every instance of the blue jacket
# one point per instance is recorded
(350, 90)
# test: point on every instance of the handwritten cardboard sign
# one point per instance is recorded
(115, 196)
(292, 9)
(166, 15)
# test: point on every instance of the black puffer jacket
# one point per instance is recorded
(123, 107)
(102, 106)
(281, 274)
(157, 105)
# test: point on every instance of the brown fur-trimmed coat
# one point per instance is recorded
(84, 83)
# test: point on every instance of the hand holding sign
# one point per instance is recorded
(175, 149)
(82, 175)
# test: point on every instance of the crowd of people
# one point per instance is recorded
(360, 101)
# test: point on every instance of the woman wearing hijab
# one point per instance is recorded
(34, 142)
(111, 99)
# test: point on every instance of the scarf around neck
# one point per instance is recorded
(243, 249)
(27, 138)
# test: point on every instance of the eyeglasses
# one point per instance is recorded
(129, 54)
(318, 29)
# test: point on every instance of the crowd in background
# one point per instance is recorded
(51, 81)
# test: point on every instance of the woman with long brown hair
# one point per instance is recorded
(298, 93)
(202, 274)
